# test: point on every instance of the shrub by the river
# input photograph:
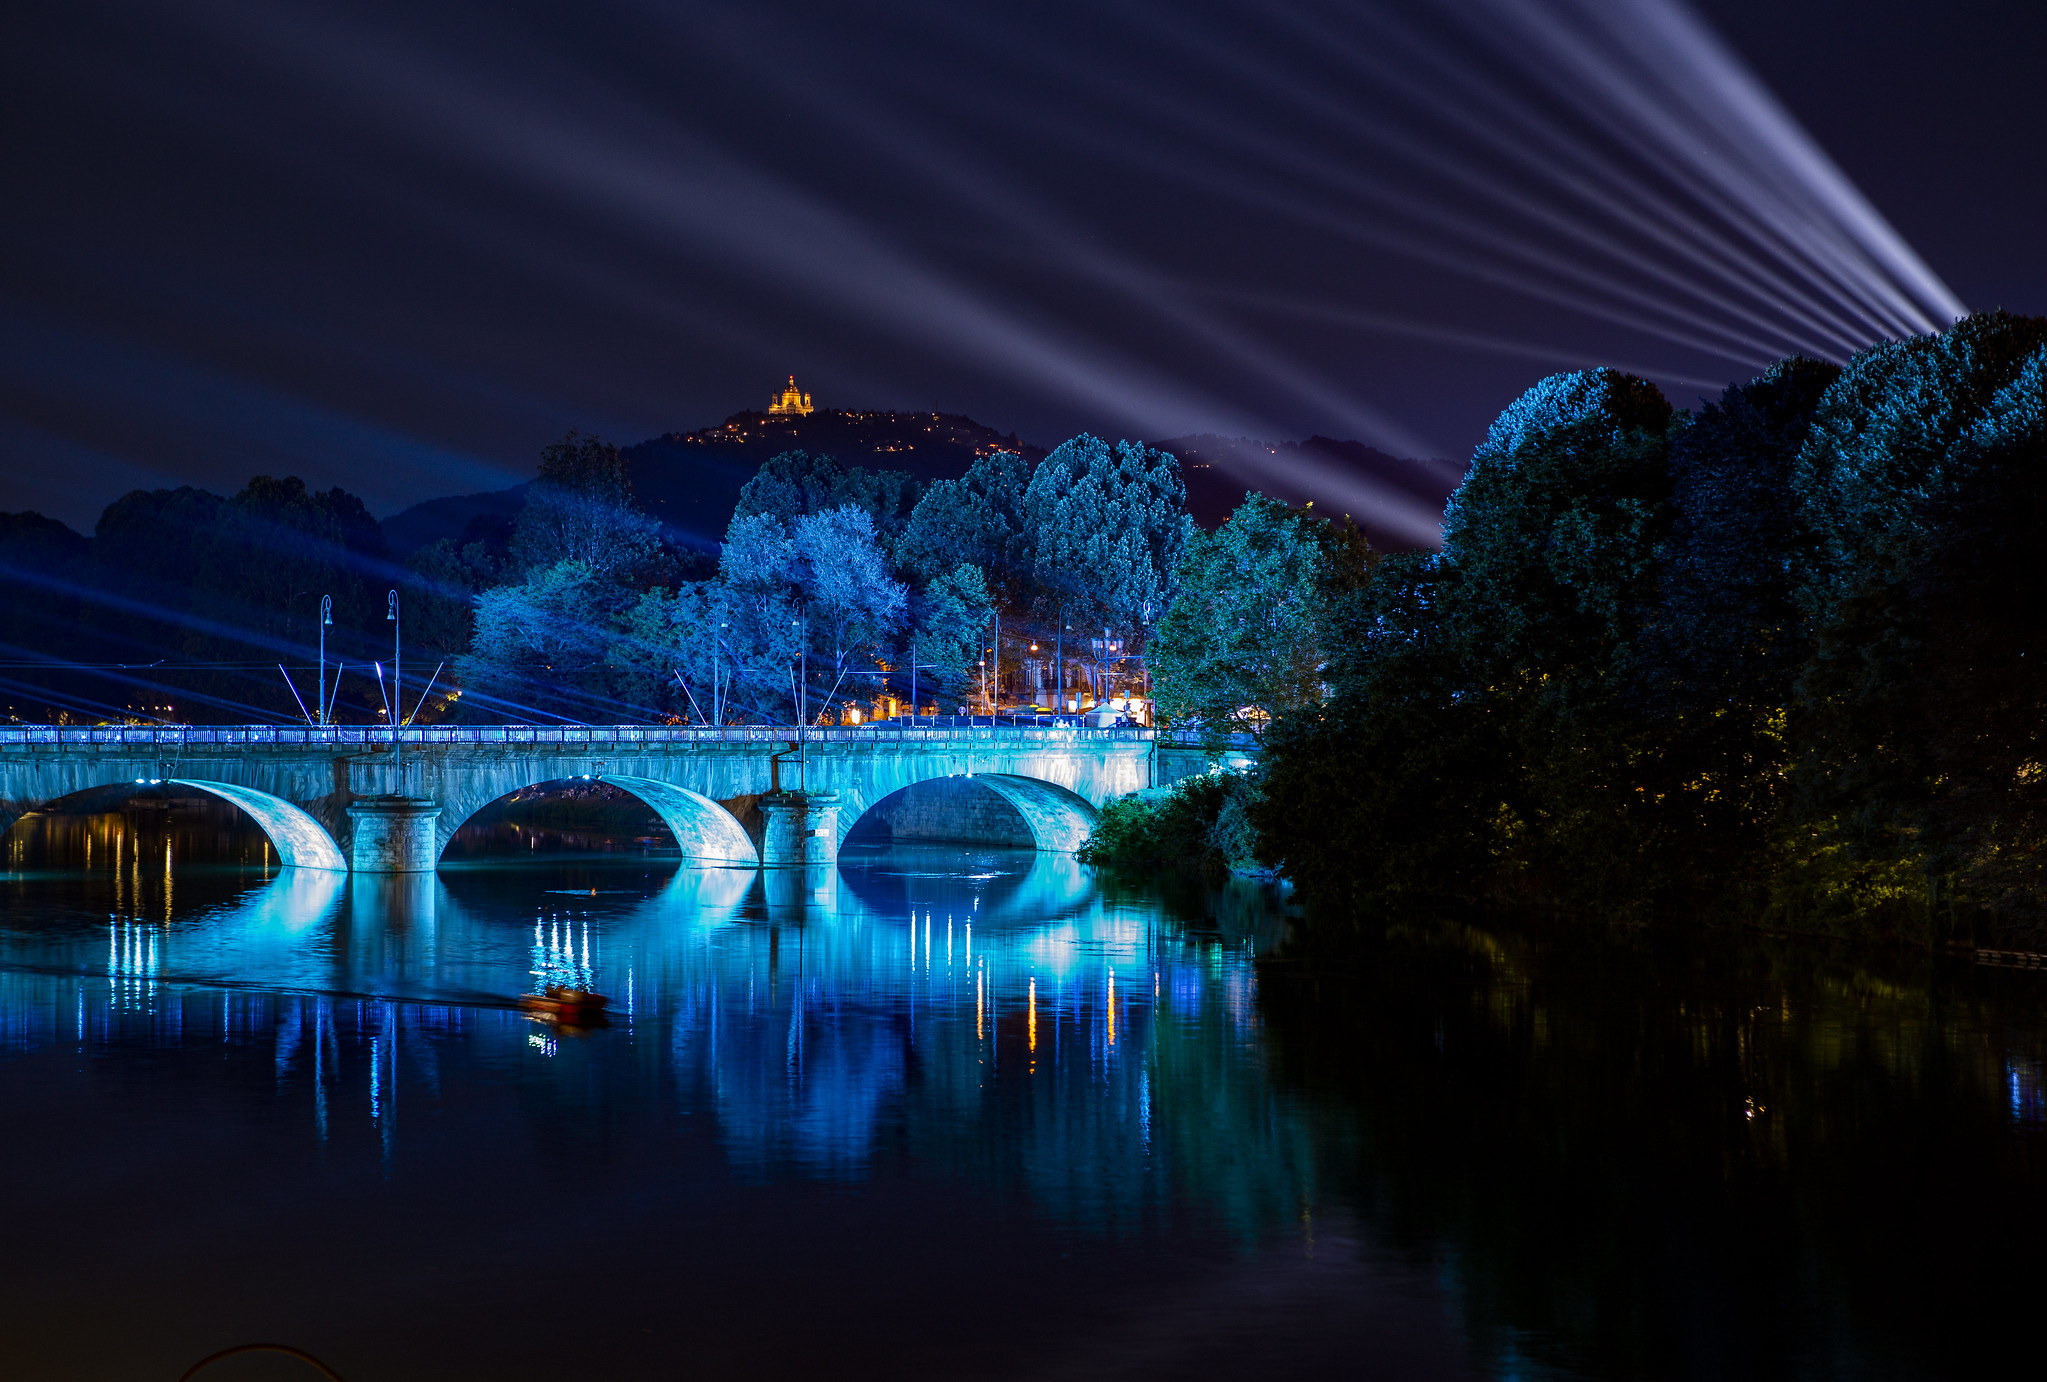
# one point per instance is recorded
(1196, 823)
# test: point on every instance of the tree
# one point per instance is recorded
(582, 508)
(146, 554)
(42, 566)
(851, 607)
(951, 619)
(1981, 674)
(791, 484)
(1247, 636)
(1403, 783)
(1912, 721)
(1478, 727)
(977, 520)
(1723, 637)
(542, 644)
(274, 550)
(673, 653)
(811, 605)
(1725, 618)
(757, 580)
(1105, 530)
(1781, 658)
(444, 579)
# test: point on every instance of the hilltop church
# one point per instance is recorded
(791, 402)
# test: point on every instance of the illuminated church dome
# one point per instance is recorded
(790, 401)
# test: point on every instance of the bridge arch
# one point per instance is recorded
(706, 832)
(1056, 819)
(297, 836)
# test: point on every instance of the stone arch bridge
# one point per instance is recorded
(340, 797)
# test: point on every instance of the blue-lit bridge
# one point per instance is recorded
(342, 797)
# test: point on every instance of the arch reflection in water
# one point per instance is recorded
(987, 1008)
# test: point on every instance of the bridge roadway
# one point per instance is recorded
(339, 797)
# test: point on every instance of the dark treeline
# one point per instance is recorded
(182, 604)
(836, 587)
(1780, 658)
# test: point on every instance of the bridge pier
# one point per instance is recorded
(393, 835)
(801, 828)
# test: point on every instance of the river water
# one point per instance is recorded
(958, 1112)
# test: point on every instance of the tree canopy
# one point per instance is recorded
(1249, 636)
(1773, 658)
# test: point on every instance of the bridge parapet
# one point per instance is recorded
(369, 736)
(708, 784)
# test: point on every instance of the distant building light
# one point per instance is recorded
(791, 401)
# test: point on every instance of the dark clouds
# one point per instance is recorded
(398, 247)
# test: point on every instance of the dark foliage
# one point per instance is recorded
(1779, 658)
(1197, 823)
(793, 483)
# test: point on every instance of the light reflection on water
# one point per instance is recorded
(864, 1120)
(921, 1025)
(810, 1005)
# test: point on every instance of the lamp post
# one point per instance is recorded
(717, 690)
(802, 703)
(915, 666)
(326, 618)
(1059, 659)
(397, 688)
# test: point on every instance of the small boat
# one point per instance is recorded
(570, 1007)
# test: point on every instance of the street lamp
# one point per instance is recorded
(802, 627)
(326, 618)
(397, 683)
(915, 666)
(717, 692)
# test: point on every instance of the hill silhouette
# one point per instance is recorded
(690, 481)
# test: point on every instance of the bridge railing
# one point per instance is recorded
(180, 736)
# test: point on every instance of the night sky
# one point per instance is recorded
(399, 247)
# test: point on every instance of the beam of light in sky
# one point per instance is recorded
(1066, 244)
(1835, 337)
(1559, 164)
(1425, 331)
(1282, 198)
(511, 125)
(1717, 84)
(1726, 130)
(1424, 155)
(1488, 249)
(1492, 117)
(674, 185)
(1493, 246)
(1827, 331)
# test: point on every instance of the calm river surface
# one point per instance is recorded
(955, 1112)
